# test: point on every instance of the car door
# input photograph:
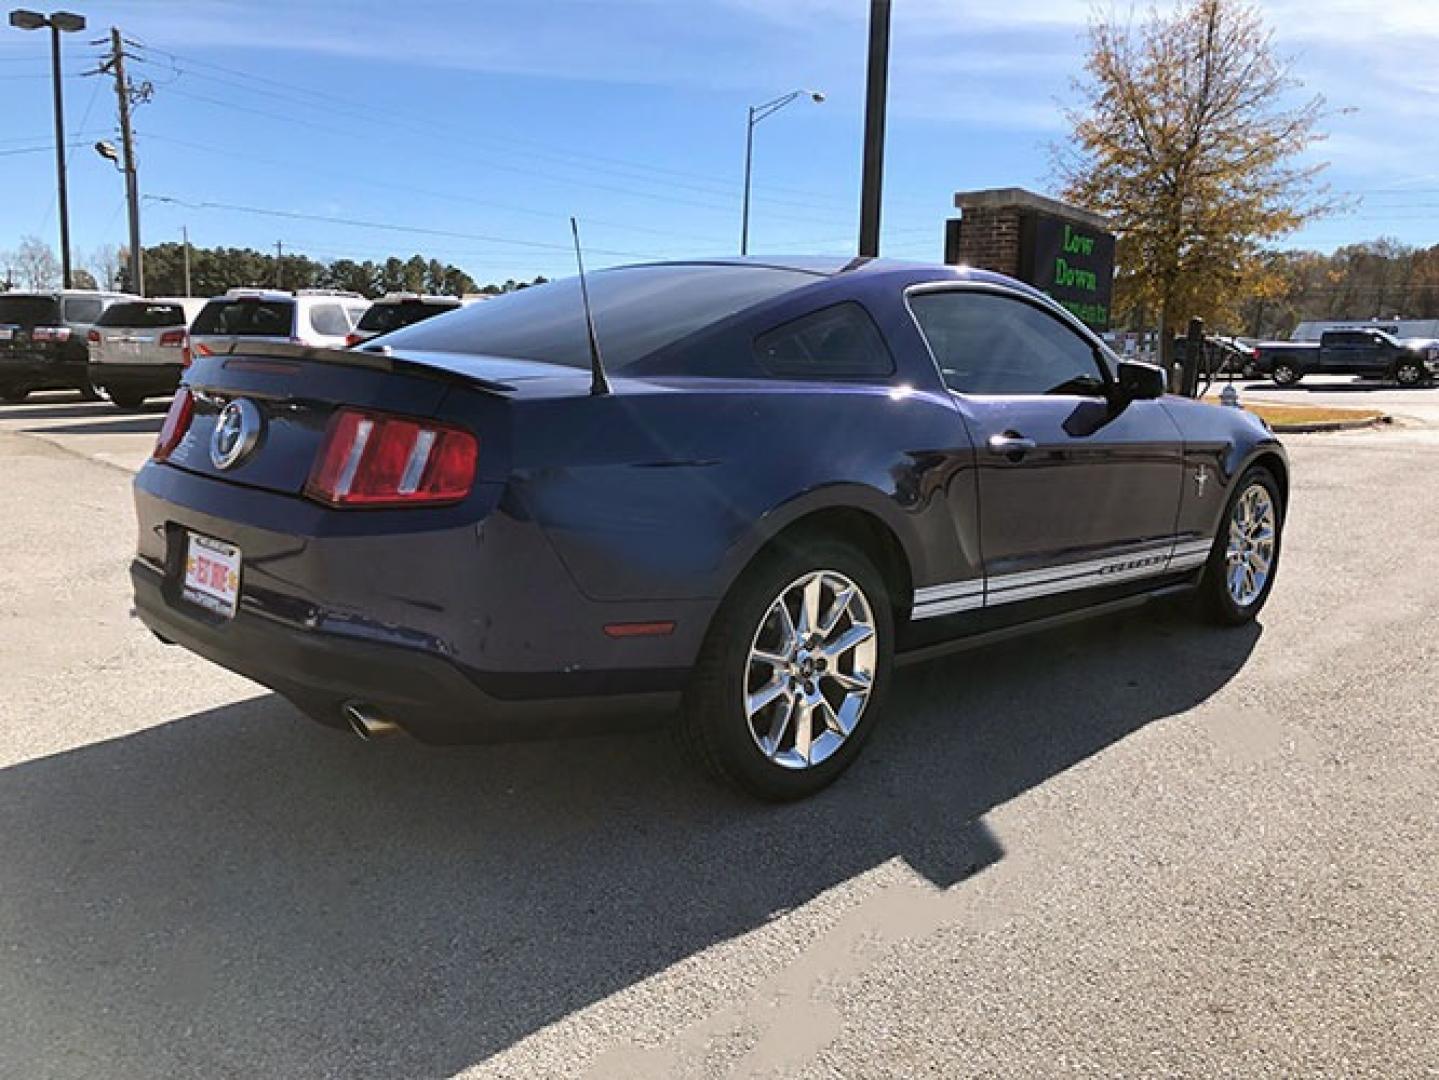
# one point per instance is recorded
(1073, 492)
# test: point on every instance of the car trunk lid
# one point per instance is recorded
(297, 390)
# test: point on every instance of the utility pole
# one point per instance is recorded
(185, 235)
(279, 261)
(874, 110)
(123, 94)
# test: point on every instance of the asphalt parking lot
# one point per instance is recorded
(1138, 846)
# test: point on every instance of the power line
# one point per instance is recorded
(347, 105)
(416, 230)
(410, 189)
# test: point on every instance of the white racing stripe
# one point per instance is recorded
(1163, 557)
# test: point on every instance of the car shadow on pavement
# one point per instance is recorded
(117, 425)
(244, 892)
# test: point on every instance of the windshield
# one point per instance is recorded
(29, 310)
(142, 316)
(382, 318)
(246, 317)
(637, 310)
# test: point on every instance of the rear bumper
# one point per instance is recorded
(137, 378)
(457, 631)
(429, 696)
(41, 371)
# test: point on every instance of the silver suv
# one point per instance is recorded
(138, 348)
(321, 317)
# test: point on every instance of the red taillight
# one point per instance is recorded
(172, 339)
(93, 337)
(186, 357)
(372, 460)
(177, 422)
(352, 339)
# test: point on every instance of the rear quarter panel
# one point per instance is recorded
(668, 492)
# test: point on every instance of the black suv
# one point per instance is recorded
(42, 340)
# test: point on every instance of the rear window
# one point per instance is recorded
(329, 319)
(83, 309)
(637, 310)
(840, 341)
(246, 318)
(382, 318)
(29, 310)
(143, 316)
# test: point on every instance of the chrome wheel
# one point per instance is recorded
(1408, 374)
(810, 669)
(1249, 556)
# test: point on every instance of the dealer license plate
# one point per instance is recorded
(6, 333)
(212, 574)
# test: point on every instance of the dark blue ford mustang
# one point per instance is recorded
(800, 472)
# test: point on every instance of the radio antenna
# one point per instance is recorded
(598, 383)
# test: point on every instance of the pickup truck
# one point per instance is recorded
(1367, 352)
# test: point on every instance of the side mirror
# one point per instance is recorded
(1140, 382)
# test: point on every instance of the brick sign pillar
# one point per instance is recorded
(1060, 249)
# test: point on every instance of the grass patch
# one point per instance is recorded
(1277, 415)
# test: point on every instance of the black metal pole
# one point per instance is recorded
(875, 102)
(60, 156)
(748, 162)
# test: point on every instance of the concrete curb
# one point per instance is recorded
(1317, 427)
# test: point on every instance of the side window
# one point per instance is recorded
(329, 319)
(83, 309)
(987, 343)
(835, 341)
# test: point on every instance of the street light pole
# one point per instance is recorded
(756, 114)
(58, 22)
(60, 155)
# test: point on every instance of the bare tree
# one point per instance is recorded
(35, 264)
(105, 262)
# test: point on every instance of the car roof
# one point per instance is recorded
(834, 266)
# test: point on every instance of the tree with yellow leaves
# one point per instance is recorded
(1187, 140)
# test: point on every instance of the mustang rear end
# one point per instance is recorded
(339, 531)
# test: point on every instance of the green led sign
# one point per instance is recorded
(1072, 262)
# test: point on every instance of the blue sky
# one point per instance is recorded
(483, 126)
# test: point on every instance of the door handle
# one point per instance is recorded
(1011, 444)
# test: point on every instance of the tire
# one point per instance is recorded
(1409, 373)
(1225, 598)
(13, 395)
(1285, 374)
(127, 399)
(763, 753)
(90, 392)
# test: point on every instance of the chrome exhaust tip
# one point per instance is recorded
(366, 721)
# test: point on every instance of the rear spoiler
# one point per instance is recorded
(375, 357)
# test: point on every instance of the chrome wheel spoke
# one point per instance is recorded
(774, 660)
(852, 638)
(804, 731)
(850, 680)
(765, 696)
(809, 600)
(836, 610)
(772, 741)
